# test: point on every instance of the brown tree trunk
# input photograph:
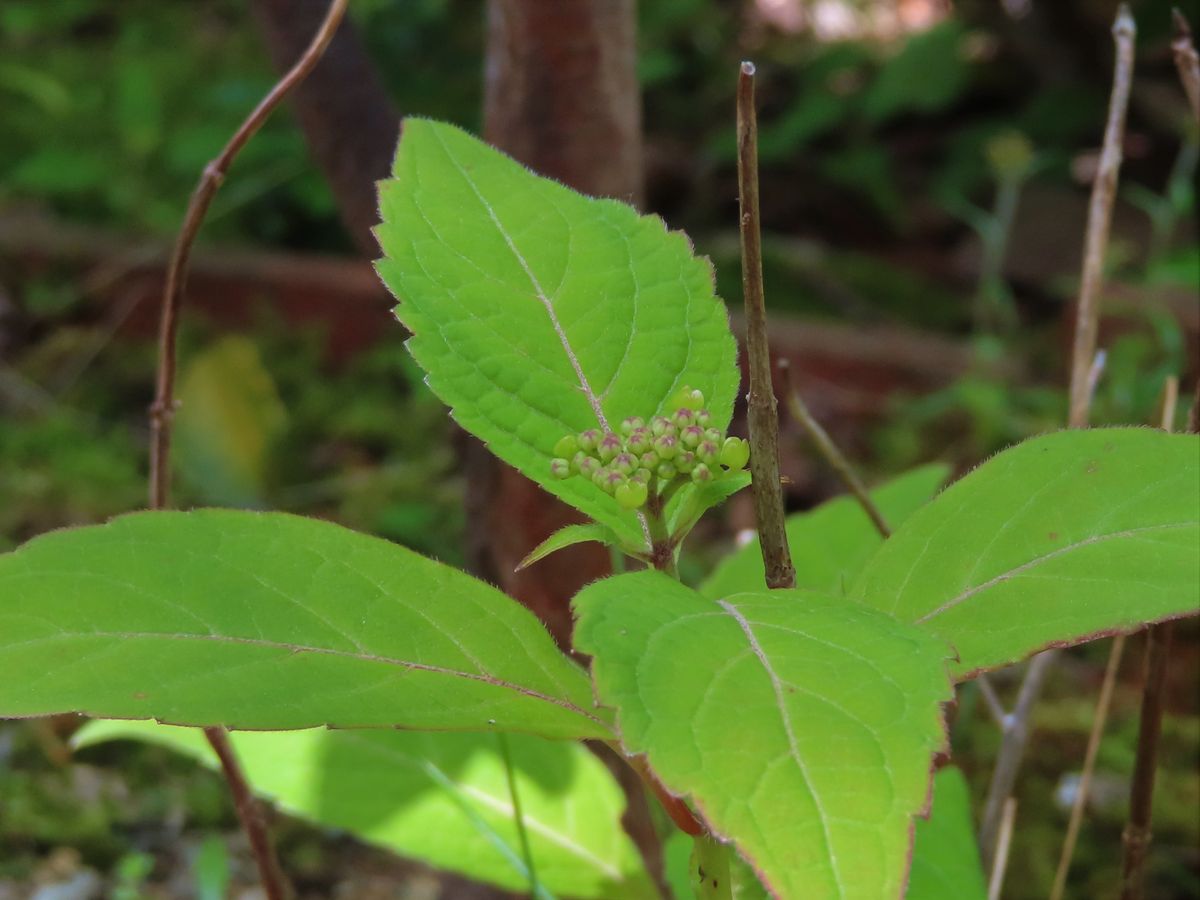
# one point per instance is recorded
(561, 96)
(348, 120)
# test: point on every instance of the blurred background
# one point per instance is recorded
(926, 166)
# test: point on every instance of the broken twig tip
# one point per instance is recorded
(1124, 24)
(748, 68)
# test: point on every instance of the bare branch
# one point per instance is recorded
(1136, 837)
(1186, 61)
(1000, 866)
(1084, 787)
(762, 413)
(830, 452)
(1104, 191)
(275, 883)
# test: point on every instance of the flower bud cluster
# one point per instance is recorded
(646, 458)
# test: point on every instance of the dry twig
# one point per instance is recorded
(275, 883)
(1186, 61)
(830, 452)
(762, 413)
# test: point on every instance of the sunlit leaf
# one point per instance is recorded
(270, 621)
(1057, 540)
(801, 726)
(442, 798)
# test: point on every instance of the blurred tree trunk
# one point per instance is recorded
(348, 119)
(560, 95)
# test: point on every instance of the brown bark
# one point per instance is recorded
(348, 120)
(560, 96)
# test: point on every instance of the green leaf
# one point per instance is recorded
(539, 312)
(271, 621)
(945, 854)
(1057, 540)
(801, 726)
(830, 543)
(568, 536)
(442, 798)
(694, 500)
(229, 416)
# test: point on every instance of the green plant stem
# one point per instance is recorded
(710, 872)
(830, 452)
(518, 813)
(1104, 189)
(762, 413)
(162, 411)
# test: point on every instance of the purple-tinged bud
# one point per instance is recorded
(683, 417)
(666, 446)
(650, 460)
(609, 446)
(631, 494)
(639, 440)
(589, 440)
(703, 418)
(560, 468)
(709, 452)
(660, 425)
(715, 436)
(567, 446)
(666, 471)
(642, 476)
(691, 436)
(685, 461)
(701, 473)
(613, 480)
(625, 463)
(735, 453)
(632, 424)
(585, 465)
(600, 475)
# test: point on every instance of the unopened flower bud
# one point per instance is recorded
(666, 471)
(625, 463)
(685, 461)
(642, 476)
(650, 460)
(613, 480)
(703, 418)
(708, 452)
(584, 464)
(701, 473)
(639, 440)
(588, 440)
(600, 475)
(687, 398)
(711, 434)
(567, 446)
(661, 425)
(609, 446)
(631, 424)
(735, 453)
(683, 417)
(631, 494)
(560, 468)
(666, 446)
(691, 436)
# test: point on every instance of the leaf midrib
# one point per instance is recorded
(484, 678)
(1036, 561)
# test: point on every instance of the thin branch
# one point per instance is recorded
(1104, 191)
(1003, 845)
(762, 412)
(1008, 759)
(1084, 787)
(162, 411)
(1186, 61)
(995, 707)
(1083, 362)
(830, 452)
(1136, 837)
